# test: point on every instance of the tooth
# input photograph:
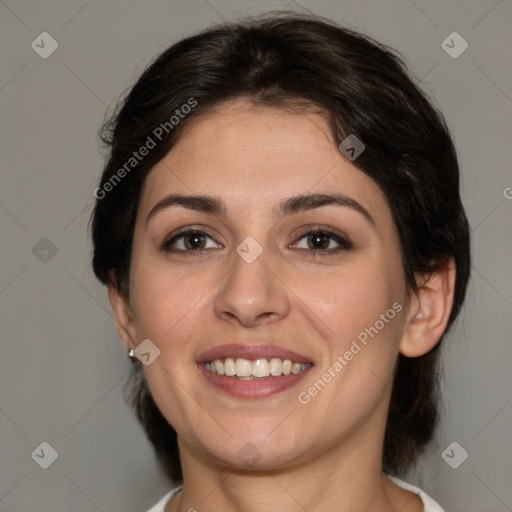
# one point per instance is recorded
(287, 367)
(296, 368)
(276, 367)
(229, 367)
(219, 367)
(243, 367)
(260, 368)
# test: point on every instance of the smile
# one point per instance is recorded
(245, 369)
(253, 370)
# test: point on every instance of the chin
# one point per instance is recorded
(257, 449)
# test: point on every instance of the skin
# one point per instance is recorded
(325, 455)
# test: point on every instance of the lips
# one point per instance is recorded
(251, 352)
(253, 388)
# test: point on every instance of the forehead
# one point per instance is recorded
(255, 156)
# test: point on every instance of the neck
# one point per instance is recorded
(341, 480)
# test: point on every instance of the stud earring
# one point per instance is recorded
(132, 356)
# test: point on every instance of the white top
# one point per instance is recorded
(430, 504)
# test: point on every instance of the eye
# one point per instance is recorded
(189, 240)
(319, 241)
(323, 242)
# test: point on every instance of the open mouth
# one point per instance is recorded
(253, 370)
(245, 369)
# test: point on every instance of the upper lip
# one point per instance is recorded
(251, 351)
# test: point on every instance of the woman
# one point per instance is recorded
(280, 229)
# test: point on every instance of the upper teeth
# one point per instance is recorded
(240, 367)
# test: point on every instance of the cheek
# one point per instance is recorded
(360, 317)
(350, 299)
(162, 299)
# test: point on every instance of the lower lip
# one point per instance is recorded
(257, 388)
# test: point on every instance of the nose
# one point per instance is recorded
(252, 293)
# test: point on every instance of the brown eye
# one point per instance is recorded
(189, 241)
(318, 241)
(321, 241)
(194, 241)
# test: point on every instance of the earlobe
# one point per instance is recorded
(429, 312)
(122, 315)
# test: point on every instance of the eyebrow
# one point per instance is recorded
(299, 203)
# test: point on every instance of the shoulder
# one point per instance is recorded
(160, 506)
(430, 504)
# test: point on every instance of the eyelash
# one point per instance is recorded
(343, 241)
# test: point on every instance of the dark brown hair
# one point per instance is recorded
(364, 89)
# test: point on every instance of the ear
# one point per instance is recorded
(429, 311)
(122, 315)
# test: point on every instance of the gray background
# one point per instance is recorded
(62, 365)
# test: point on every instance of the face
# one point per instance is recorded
(295, 257)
